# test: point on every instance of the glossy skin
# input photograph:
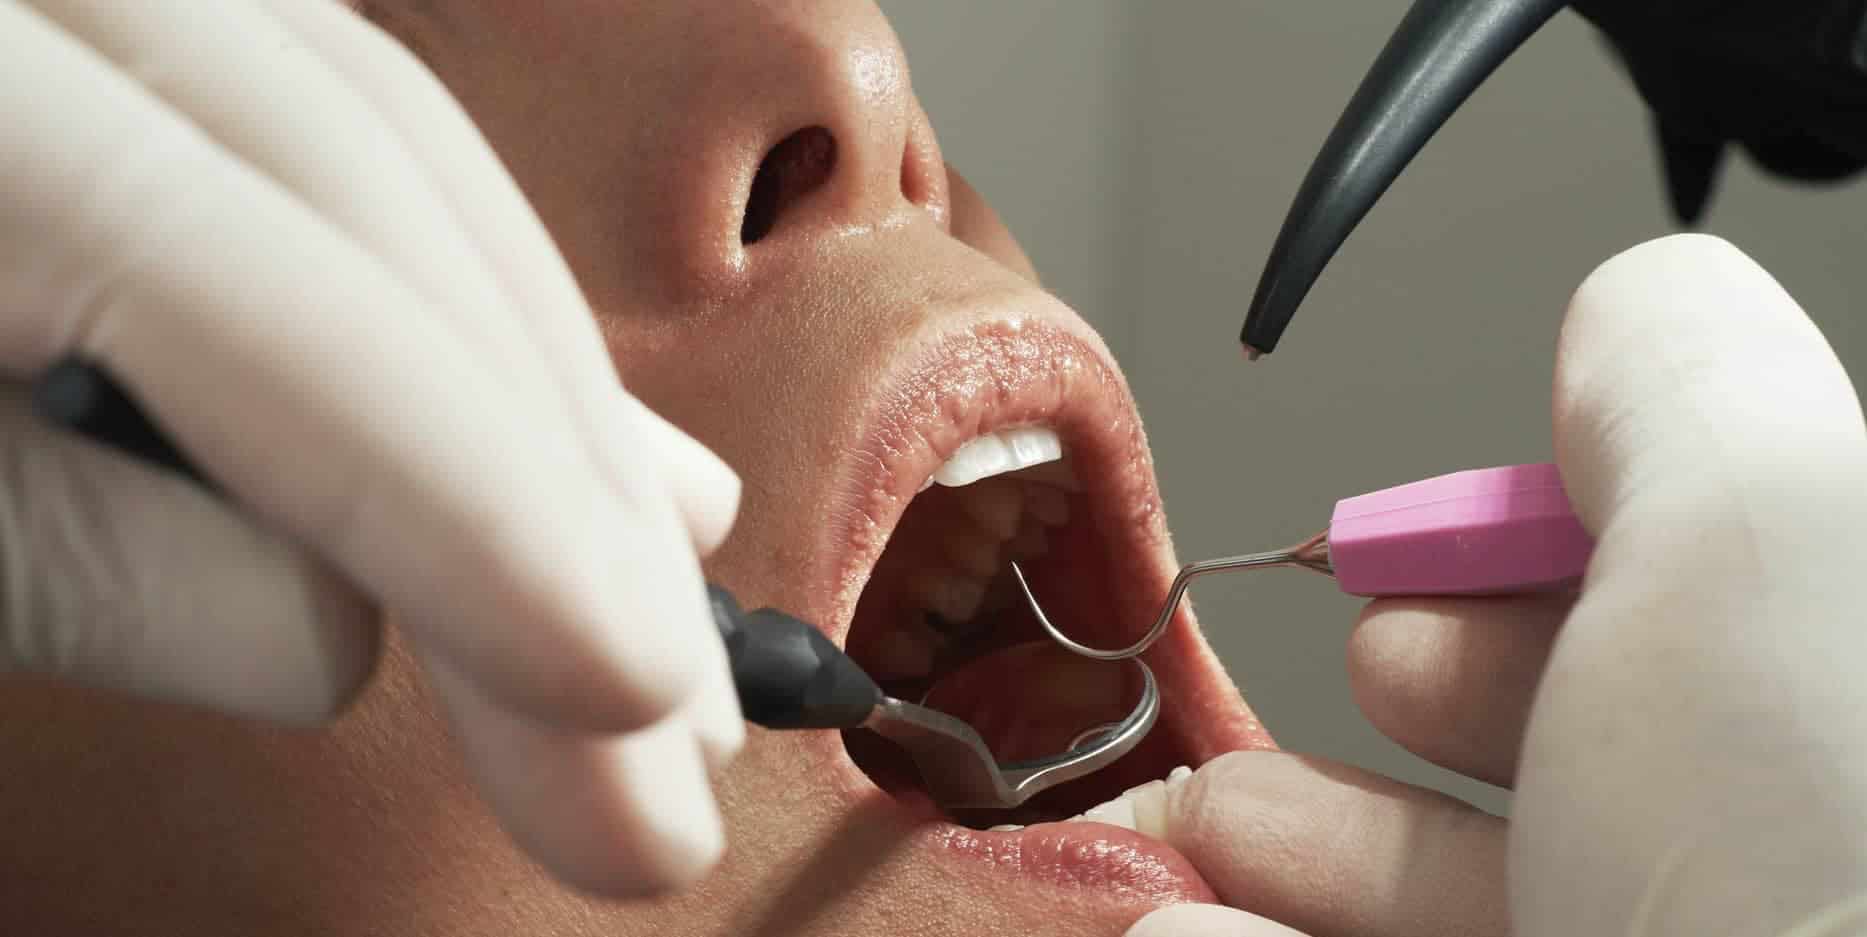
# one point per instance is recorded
(884, 287)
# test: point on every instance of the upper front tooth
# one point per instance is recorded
(998, 453)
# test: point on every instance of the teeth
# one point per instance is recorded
(906, 652)
(1118, 812)
(995, 454)
(996, 506)
(975, 557)
(997, 519)
(1057, 474)
(1142, 808)
(947, 594)
(1005, 828)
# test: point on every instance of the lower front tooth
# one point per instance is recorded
(1118, 812)
(1138, 788)
(1005, 828)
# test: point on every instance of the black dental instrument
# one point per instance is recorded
(1784, 79)
(788, 675)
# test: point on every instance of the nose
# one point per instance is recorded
(851, 148)
(796, 122)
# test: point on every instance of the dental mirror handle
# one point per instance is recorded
(1492, 531)
(787, 673)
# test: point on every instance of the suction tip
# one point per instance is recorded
(1441, 52)
(1692, 164)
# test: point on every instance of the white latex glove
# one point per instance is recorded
(1695, 761)
(279, 231)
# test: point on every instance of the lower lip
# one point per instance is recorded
(1115, 863)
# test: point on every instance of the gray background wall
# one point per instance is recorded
(1145, 153)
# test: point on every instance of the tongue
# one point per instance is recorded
(1030, 700)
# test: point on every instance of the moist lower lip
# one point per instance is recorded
(1115, 863)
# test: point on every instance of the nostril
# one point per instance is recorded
(922, 171)
(799, 165)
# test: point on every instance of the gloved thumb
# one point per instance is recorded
(1206, 920)
(1696, 747)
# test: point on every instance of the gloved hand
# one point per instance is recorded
(279, 231)
(1694, 758)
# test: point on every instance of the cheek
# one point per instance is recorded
(546, 25)
(779, 408)
(978, 226)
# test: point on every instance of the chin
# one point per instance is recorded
(986, 437)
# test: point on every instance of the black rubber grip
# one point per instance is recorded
(789, 675)
(80, 397)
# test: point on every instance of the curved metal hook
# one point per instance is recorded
(1311, 554)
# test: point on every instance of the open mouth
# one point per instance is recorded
(941, 620)
(1019, 442)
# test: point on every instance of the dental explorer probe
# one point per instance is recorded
(1492, 531)
(787, 674)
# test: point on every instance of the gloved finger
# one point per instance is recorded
(188, 272)
(182, 56)
(503, 238)
(1451, 679)
(1206, 920)
(704, 489)
(1701, 708)
(514, 246)
(1335, 851)
(714, 715)
(126, 577)
(619, 816)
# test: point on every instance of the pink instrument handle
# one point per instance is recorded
(1481, 532)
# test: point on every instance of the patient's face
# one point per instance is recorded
(757, 208)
